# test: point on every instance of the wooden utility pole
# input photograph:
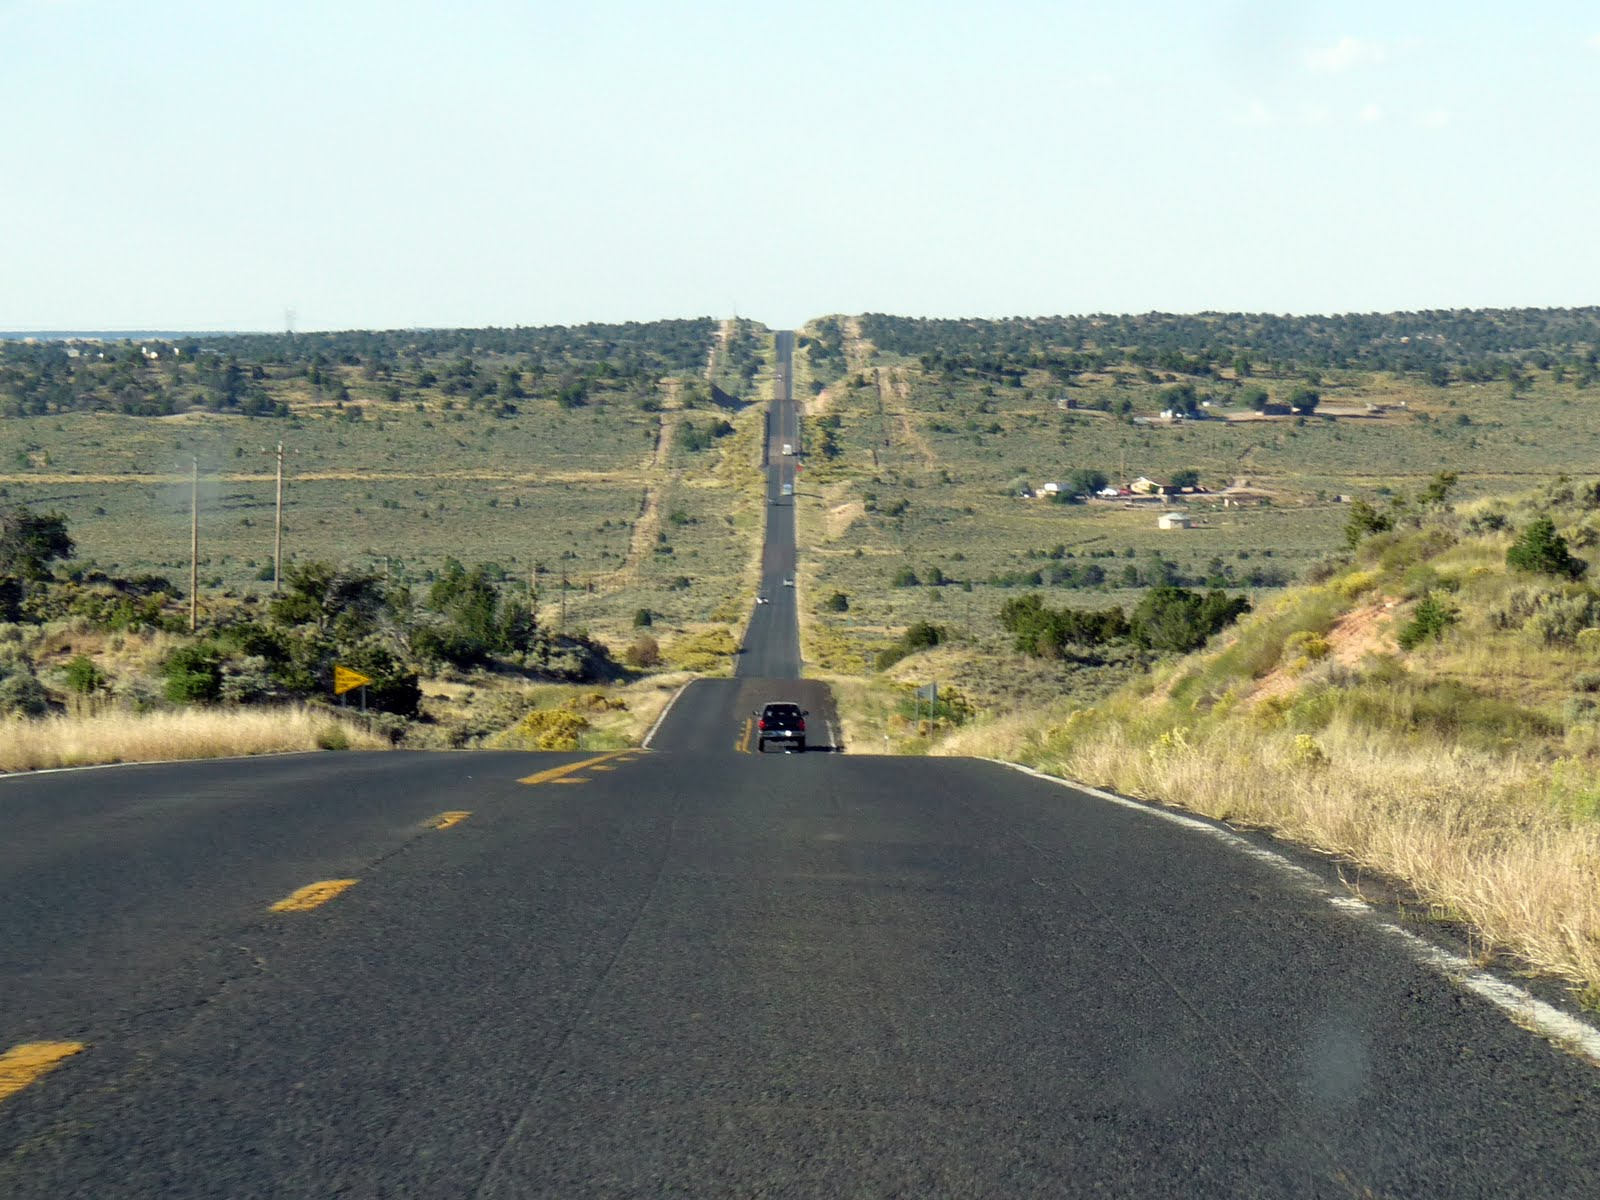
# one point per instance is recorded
(194, 545)
(277, 535)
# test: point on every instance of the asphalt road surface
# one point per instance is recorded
(697, 970)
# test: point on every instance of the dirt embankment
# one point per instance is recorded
(1360, 632)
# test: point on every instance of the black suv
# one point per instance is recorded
(781, 722)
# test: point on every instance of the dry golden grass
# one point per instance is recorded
(29, 745)
(866, 711)
(1014, 737)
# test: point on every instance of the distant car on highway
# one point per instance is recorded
(787, 489)
(781, 721)
(762, 600)
(788, 583)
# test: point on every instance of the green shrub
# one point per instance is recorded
(21, 693)
(333, 737)
(1518, 607)
(1046, 632)
(1560, 617)
(247, 681)
(920, 636)
(1434, 615)
(1539, 548)
(83, 677)
(1364, 521)
(193, 674)
(1175, 619)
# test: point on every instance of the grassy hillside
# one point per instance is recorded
(921, 435)
(1424, 709)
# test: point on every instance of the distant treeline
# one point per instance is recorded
(256, 374)
(1468, 344)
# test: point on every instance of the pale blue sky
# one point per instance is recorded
(205, 165)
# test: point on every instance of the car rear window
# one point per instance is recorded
(783, 710)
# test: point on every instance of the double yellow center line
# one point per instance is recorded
(314, 895)
(569, 773)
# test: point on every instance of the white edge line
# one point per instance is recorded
(1526, 1010)
(645, 745)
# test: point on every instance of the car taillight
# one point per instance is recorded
(763, 723)
(800, 725)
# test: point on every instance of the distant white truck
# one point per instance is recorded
(788, 448)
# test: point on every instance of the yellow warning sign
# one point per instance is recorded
(346, 680)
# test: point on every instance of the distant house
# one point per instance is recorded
(1150, 487)
(1051, 489)
(1174, 520)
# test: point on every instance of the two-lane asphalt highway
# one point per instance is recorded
(710, 973)
(697, 970)
(772, 644)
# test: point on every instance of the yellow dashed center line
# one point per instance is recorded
(743, 744)
(445, 820)
(313, 894)
(21, 1065)
(556, 774)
